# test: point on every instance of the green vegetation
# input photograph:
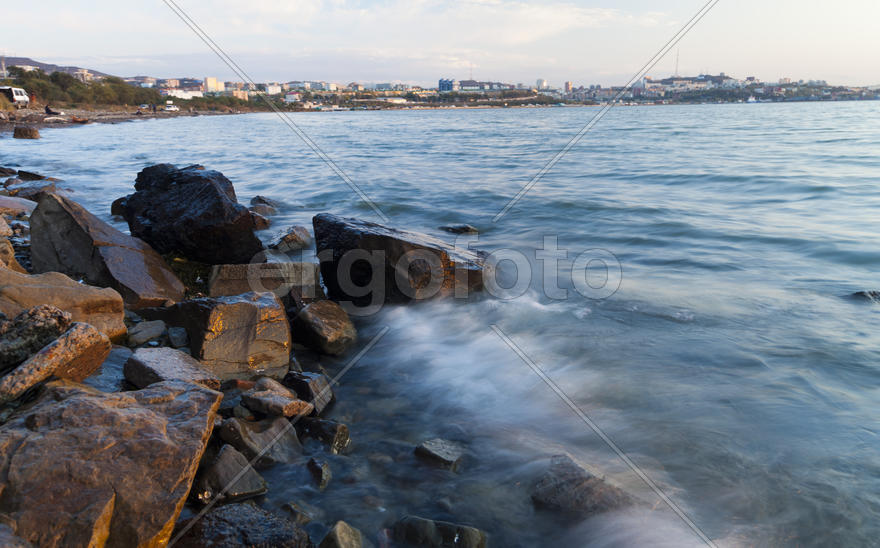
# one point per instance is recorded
(61, 88)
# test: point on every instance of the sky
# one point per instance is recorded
(419, 41)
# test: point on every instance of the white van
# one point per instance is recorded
(16, 96)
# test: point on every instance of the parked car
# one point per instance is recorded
(16, 96)
(172, 108)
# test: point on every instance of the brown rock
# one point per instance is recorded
(85, 468)
(244, 525)
(324, 326)
(270, 397)
(74, 355)
(25, 132)
(264, 210)
(296, 238)
(7, 257)
(8, 538)
(270, 441)
(343, 535)
(151, 365)
(279, 278)
(567, 488)
(5, 231)
(31, 190)
(311, 387)
(10, 205)
(30, 331)
(260, 221)
(101, 308)
(67, 238)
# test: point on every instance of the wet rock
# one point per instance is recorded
(262, 200)
(192, 211)
(443, 453)
(418, 531)
(237, 336)
(302, 513)
(31, 190)
(296, 238)
(7, 171)
(276, 436)
(332, 433)
(7, 257)
(110, 376)
(5, 231)
(324, 326)
(9, 205)
(86, 468)
(398, 266)
(25, 132)
(74, 355)
(271, 398)
(31, 176)
(67, 238)
(311, 387)
(343, 535)
(117, 208)
(260, 221)
(177, 337)
(226, 477)
(567, 488)
(244, 525)
(460, 229)
(30, 331)
(870, 296)
(320, 471)
(145, 331)
(279, 278)
(263, 210)
(151, 365)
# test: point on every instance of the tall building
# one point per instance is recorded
(447, 84)
(568, 87)
(541, 84)
(212, 85)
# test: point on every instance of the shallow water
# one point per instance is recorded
(728, 365)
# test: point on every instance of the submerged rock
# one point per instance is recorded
(67, 238)
(871, 296)
(324, 326)
(397, 266)
(567, 488)
(334, 434)
(343, 535)
(30, 331)
(226, 477)
(192, 211)
(320, 471)
(85, 468)
(416, 531)
(440, 452)
(276, 436)
(460, 229)
(151, 365)
(244, 525)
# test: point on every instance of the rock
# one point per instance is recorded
(320, 472)
(260, 222)
(117, 208)
(279, 278)
(460, 229)
(274, 440)
(269, 397)
(31, 190)
(262, 200)
(228, 477)
(192, 211)
(296, 238)
(301, 512)
(870, 296)
(343, 535)
(418, 531)
(334, 434)
(235, 336)
(67, 238)
(567, 488)
(10, 205)
(110, 376)
(101, 308)
(244, 525)
(85, 468)
(145, 331)
(25, 132)
(5, 231)
(31, 176)
(324, 326)
(151, 365)
(7, 257)
(177, 337)
(311, 387)
(74, 355)
(443, 453)
(263, 210)
(8, 538)
(30, 331)
(397, 266)
(11, 172)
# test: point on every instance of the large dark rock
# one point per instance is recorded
(101, 308)
(566, 488)
(226, 477)
(192, 211)
(67, 238)
(25, 132)
(151, 365)
(239, 336)
(395, 266)
(81, 467)
(244, 525)
(440, 452)
(270, 441)
(311, 387)
(334, 434)
(416, 531)
(30, 331)
(324, 326)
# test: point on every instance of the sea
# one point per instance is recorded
(672, 308)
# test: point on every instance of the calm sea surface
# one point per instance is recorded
(730, 365)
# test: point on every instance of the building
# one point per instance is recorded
(448, 85)
(212, 85)
(568, 87)
(270, 89)
(237, 93)
(354, 86)
(169, 83)
(83, 75)
(181, 94)
(292, 97)
(542, 84)
(26, 68)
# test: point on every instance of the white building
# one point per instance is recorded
(542, 84)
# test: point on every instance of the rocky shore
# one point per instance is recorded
(38, 119)
(151, 381)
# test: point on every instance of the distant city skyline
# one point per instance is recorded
(418, 42)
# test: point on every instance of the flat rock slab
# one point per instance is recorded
(86, 468)
(151, 365)
(279, 278)
(418, 531)
(74, 355)
(16, 206)
(227, 477)
(397, 266)
(101, 308)
(441, 452)
(324, 326)
(567, 488)
(67, 238)
(276, 436)
(30, 331)
(269, 397)
(244, 525)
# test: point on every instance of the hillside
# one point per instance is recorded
(48, 68)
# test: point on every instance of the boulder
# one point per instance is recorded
(320, 472)
(74, 355)
(226, 477)
(151, 365)
(568, 489)
(270, 441)
(242, 335)
(334, 434)
(279, 278)
(263, 210)
(101, 308)
(262, 200)
(443, 453)
(145, 332)
(343, 535)
(294, 239)
(30, 331)
(460, 229)
(192, 211)
(7, 257)
(311, 387)
(25, 132)
(81, 467)
(5, 231)
(31, 190)
(243, 525)
(67, 238)
(10, 205)
(418, 531)
(270, 397)
(324, 326)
